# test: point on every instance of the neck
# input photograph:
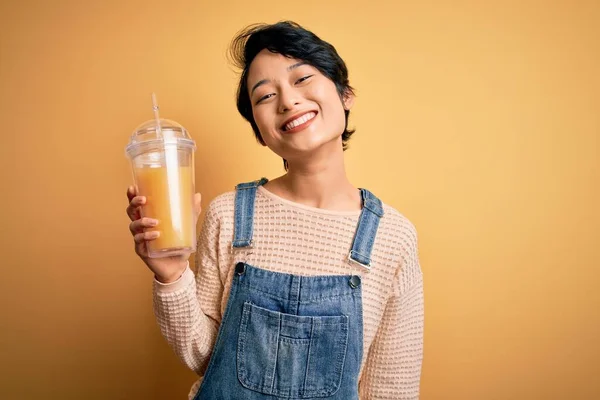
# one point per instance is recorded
(319, 183)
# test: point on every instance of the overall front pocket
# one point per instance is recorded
(289, 355)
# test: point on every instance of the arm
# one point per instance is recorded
(188, 310)
(393, 368)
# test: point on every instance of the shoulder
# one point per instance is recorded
(399, 235)
(398, 227)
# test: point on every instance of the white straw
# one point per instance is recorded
(156, 117)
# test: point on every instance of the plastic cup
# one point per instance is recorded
(162, 160)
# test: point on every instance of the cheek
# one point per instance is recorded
(260, 117)
(264, 122)
(332, 106)
(326, 94)
(319, 93)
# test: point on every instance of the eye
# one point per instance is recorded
(265, 97)
(304, 78)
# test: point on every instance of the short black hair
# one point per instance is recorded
(290, 40)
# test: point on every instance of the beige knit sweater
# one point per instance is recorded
(297, 239)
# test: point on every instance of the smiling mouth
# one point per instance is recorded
(297, 122)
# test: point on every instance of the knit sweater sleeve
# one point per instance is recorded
(188, 310)
(393, 366)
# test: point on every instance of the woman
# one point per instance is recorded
(306, 286)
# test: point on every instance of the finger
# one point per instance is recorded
(133, 209)
(146, 236)
(139, 225)
(197, 204)
(131, 192)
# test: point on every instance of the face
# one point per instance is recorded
(296, 108)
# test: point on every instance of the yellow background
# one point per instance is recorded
(480, 121)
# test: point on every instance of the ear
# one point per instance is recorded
(348, 100)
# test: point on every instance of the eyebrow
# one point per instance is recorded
(263, 81)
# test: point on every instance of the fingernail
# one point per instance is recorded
(153, 222)
(155, 234)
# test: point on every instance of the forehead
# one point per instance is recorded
(267, 64)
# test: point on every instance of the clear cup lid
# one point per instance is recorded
(148, 135)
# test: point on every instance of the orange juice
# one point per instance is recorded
(169, 199)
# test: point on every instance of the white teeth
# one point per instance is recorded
(300, 120)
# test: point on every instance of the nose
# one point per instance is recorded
(288, 99)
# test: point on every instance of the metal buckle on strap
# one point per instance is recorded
(233, 249)
(353, 261)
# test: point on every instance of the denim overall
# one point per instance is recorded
(286, 336)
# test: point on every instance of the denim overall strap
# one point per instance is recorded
(368, 222)
(245, 194)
